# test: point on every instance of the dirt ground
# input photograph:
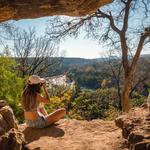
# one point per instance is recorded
(71, 134)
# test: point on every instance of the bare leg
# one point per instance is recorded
(56, 115)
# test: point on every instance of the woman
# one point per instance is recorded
(36, 115)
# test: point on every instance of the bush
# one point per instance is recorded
(11, 86)
(137, 99)
(94, 104)
(59, 101)
(111, 113)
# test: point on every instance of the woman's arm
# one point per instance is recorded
(46, 95)
(45, 98)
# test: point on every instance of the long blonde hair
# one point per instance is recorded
(29, 95)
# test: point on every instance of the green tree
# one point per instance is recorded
(10, 86)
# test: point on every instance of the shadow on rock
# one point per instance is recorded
(32, 134)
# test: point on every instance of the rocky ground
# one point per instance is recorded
(75, 135)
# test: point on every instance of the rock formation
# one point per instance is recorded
(22, 9)
(136, 128)
(7, 119)
(10, 137)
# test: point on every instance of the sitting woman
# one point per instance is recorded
(35, 115)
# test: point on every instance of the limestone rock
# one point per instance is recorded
(135, 127)
(7, 118)
(4, 127)
(2, 103)
(12, 140)
(22, 9)
(144, 145)
(10, 137)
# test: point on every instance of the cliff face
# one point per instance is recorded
(22, 9)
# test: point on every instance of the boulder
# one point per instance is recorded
(135, 127)
(10, 137)
(7, 118)
(12, 140)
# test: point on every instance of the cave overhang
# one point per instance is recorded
(30, 9)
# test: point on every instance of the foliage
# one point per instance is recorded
(137, 99)
(11, 86)
(93, 104)
(111, 113)
(89, 76)
(60, 100)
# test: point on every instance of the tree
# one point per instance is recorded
(34, 54)
(5, 32)
(113, 65)
(11, 86)
(142, 76)
(119, 26)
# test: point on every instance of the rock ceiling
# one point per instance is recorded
(24, 9)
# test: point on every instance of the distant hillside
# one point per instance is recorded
(82, 61)
(68, 62)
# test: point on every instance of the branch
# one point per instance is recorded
(145, 35)
(101, 14)
(126, 16)
(69, 26)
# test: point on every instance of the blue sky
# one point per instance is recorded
(79, 47)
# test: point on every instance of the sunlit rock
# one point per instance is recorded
(22, 9)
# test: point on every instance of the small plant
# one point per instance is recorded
(137, 99)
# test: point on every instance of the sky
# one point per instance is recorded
(79, 47)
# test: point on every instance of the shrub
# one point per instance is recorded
(137, 99)
(111, 113)
(11, 86)
(59, 101)
(93, 104)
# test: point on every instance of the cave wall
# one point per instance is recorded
(24, 9)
